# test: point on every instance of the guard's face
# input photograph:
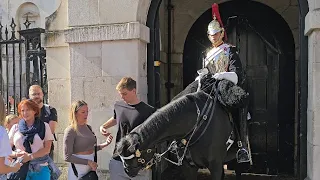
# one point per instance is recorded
(214, 38)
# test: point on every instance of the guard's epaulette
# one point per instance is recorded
(233, 48)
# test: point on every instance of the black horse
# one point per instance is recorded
(197, 120)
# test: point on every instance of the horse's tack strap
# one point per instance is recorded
(128, 157)
(204, 115)
(229, 143)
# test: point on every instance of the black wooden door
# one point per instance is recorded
(260, 60)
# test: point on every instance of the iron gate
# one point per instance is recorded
(22, 63)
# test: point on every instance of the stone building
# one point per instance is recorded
(90, 45)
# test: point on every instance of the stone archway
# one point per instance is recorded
(247, 33)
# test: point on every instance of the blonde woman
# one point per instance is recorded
(79, 142)
(5, 149)
(10, 120)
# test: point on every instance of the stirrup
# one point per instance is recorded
(242, 156)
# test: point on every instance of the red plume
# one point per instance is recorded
(215, 12)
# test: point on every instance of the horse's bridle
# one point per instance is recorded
(141, 160)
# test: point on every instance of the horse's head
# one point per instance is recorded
(132, 157)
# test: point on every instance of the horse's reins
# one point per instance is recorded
(204, 114)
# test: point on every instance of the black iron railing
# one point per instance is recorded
(22, 63)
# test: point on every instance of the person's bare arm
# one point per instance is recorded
(42, 152)
(53, 125)
(110, 123)
(105, 144)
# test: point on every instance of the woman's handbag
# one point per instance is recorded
(91, 175)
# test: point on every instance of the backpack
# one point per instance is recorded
(47, 108)
(48, 112)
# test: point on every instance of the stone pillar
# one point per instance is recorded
(100, 56)
(58, 69)
(313, 115)
(90, 46)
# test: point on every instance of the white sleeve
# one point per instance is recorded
(48, 135)
(5, 148)
(12, 132)
(231, 76)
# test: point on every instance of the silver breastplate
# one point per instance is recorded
(218, 62)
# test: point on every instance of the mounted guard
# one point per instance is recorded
(222, 60)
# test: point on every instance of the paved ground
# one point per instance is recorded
(248, 177)
(205, 175)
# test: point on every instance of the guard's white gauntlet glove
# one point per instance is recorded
(231, 76)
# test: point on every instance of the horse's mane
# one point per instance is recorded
(163, 118)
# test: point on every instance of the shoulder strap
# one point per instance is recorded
(90, 129)
(214, 52)
(95, 153)
(74, 170)
(95, 147)
(47, 108)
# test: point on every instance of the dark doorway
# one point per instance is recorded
(266, 48)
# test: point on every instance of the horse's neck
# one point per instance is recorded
(169, 128)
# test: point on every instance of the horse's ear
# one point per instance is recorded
(133, 143)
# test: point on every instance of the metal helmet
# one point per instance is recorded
(216, 24)
(214, 27)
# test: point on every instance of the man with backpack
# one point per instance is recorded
(48, 113)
